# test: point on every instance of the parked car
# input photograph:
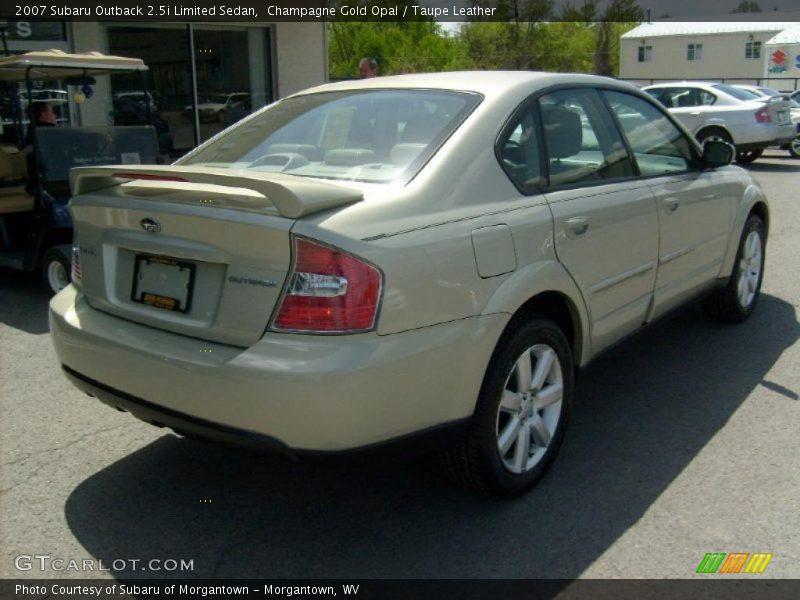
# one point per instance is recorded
(726, 112)
(420, 259)
(792, 147)
(142, 98)
(216, 107)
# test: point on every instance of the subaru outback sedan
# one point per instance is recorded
(402, 259)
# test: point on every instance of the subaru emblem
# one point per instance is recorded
(150, 225)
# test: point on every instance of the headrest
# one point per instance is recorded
(307, 150)
(349, 157)
(562, 130)
(404, 154)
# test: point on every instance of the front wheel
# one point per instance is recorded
(715, 134)
(748, 156)
(56, 269)
(522, 412)
(737, 300)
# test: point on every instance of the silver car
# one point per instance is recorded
(794, 109)
(737, 116)
(421, 259)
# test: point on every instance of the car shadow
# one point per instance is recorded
(790, 165)
(23, 301)
(644, 411)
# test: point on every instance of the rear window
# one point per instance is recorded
(737, 93)
(373, 136)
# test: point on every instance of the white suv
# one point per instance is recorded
(729, 113)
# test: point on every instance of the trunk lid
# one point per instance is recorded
(779, 109)
(191, 251)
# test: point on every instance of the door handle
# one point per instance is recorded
(577, 225)
(695, 114)
(671, 204)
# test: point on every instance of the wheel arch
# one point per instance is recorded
(761, 210)
(753, 202)
(711, 126)
(555, 296)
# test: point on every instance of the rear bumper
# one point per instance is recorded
(288, 392)
(423, 441)
(757, 136)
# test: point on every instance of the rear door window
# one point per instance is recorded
(583, 144)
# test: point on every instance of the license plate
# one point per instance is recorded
(163, 283)
(783, 117)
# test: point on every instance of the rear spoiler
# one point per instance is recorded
(292, 196)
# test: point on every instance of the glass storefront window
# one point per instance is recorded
(223, 78)
(165, 50)
(232, 77)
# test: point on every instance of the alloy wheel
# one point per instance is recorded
(530, 408)
(749, 269)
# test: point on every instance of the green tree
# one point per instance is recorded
(580, 39)
(747, 6)
(399, 47)
(619, 16)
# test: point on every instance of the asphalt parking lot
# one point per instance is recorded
(684, 441)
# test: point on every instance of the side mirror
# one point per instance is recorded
(717, 153)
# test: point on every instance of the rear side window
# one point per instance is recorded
(681, 97)
(738, 93)
(658, 146)
(582, 142)
(520, 154)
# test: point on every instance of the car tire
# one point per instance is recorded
(514, 436)
(794, 147)
(56, 269)
(736, 301)
(713, 133)
(748, 156)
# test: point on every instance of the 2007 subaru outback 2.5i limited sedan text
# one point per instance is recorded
(423, 255)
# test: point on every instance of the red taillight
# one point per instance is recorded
(762, 115)
(329, 291)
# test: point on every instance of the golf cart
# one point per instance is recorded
(35, 160)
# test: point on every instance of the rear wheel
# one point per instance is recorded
(794, 147)
(748, 156)
(737, 300)
(56, 269)
(522, 412)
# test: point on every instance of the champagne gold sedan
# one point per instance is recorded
(421, 259)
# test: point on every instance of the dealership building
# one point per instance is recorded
(733, 50)
(214, 63)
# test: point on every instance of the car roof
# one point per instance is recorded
(486, 83)
(684, 83)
